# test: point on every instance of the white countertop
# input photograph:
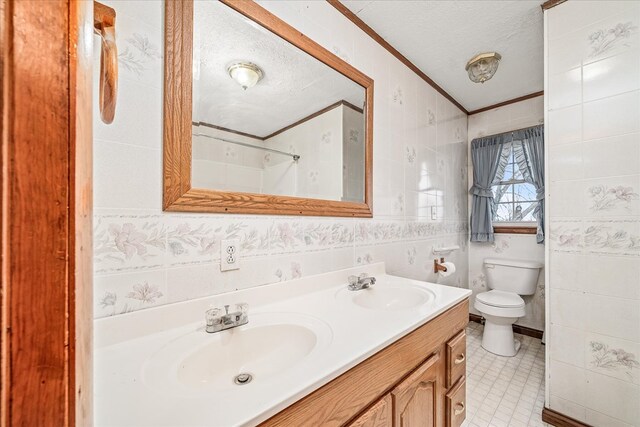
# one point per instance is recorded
(126, 395)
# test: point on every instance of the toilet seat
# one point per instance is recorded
(502, 299)
(500, 304)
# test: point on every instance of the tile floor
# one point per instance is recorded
(504, 391)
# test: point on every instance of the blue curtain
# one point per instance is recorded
(528, 150)
(489, 160)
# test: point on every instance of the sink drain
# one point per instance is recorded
(242, 379)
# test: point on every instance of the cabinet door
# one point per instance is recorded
(416, 400)
(379, 415)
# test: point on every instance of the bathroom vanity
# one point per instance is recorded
(407, 388)
(316, 353)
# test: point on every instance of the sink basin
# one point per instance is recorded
(265, 347)
(390, 297)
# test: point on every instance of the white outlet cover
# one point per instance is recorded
(229, 254)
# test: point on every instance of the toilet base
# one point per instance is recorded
(497, 337)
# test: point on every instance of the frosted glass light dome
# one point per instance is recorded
(246, 74)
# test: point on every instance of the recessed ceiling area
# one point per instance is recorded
(439, 37)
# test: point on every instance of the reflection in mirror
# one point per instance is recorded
(269, 118)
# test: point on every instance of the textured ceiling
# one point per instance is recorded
(439, 37)
(295, 84)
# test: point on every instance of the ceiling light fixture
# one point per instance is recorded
(482, 67)
(246, 74)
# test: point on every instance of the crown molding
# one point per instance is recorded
(510, 101)
(382, 42)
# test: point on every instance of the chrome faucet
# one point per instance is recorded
(216, 321)
(363, 281)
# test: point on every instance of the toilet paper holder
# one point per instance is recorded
(437, 266)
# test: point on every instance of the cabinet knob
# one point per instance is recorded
(461, 358)
(459, 411)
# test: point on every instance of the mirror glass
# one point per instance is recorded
(268, 117)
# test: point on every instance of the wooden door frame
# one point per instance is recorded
(46, 232)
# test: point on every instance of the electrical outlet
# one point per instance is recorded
(229, 255)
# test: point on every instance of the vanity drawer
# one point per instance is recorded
(456, 358)
(456, 404)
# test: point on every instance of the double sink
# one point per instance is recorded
(160, 367)
(269, 344)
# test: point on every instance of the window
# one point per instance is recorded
(515, 199)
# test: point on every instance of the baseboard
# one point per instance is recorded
(557, 419)
(523, 330)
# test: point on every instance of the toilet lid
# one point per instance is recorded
(501, 299)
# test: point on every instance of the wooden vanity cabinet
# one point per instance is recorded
(405, 384)
(379, 415)
(416, 400)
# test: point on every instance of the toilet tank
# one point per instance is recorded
(512, 275)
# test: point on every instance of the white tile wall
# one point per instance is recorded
(144, 256)
(593, 182)
(510, 117)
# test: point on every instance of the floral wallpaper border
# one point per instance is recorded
(130, 242)
(612, 237)
(135, 252)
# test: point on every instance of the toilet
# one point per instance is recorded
(502, 305)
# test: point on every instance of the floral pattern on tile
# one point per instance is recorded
(431, 118)
(605, 40)
(397, 96)
(197, 240)
(354, 136)
(327, 234)
(145, 292)
(411, 155)
(128, 243)
(611, 237)
(286, 236)
(398, 204)
(378, 232)
(604, 198)
(294, 272)
(365, 258)
(613, 359)
(138, 53)
(120, 296)
(479, 282)
(621, 237)
(411, 255)
(500, 246)
(566, 237)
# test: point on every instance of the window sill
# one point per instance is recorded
(514, 229)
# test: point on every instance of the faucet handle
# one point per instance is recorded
(353, 280)
(211, 314)
(242, 307)
(363, 276)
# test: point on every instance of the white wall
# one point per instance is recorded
(593, 211)
(318, 172)
(353, 153)
(225, 166)
(145, 257)
(513, 246)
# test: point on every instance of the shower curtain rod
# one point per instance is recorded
(508, 132)
(295, 157)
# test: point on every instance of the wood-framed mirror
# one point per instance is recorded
(299, 141)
